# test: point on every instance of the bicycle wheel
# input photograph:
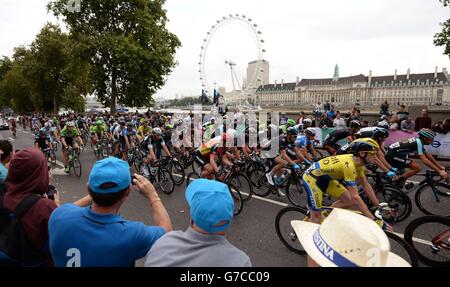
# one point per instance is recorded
(422, 234)
(165, 181)
(191, 177)
(177, 171)
(76, 164)
(264, 188)
(394, 196)
(242, 183)
(255, 172)
(98, 152)
(400, 247)
(237, 198)
(286, 232)
(433, 201)
(196, 168)
(296, 194)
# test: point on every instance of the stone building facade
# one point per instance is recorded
(422, 89)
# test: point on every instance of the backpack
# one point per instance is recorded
(13, 241)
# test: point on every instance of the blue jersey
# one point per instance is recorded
(302, 141)
(126, 132)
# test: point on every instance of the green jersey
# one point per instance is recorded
(65, 133)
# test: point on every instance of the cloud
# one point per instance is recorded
(302, 37)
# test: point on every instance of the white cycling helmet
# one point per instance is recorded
(157, 131)
(70, 124)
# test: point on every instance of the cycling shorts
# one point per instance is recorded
(398, 161)
(316, 186)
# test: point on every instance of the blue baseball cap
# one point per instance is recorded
(211, 205)
(110, 170)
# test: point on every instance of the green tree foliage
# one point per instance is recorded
(57, 77)
(46, 75)
(15, 89)
(443, 38)
(127, 44)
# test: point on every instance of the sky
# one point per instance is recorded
(302, 38)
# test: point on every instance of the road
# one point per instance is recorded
(253, 231)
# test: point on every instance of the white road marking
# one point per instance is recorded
(415, 239)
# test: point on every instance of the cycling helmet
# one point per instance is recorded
(427, 133)
(70, 124)
(310, 132)
(355, 124)
(307, 122)
(383, 125)
(379, 132)
(157, 131)
(292, 131)
(100, 119)
(42, 131)
(130, 125)
(47, 126)
(364, 145)
(290, 122)
(122, 123)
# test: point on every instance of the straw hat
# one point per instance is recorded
(347, 239)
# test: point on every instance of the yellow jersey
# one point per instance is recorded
(341, 167)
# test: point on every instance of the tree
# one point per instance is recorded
(56, 76)
(5, 67)
(15, 89)
(127, 44)
(443, 38)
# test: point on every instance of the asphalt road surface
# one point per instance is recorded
(253, 231)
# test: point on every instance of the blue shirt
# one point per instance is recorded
(81, 238)
(3, 172)
(302, 141)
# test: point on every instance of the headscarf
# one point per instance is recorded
(28, 173)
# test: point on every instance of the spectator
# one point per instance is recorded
(300, 118)
(344, 235)
(203, 244)
(283, 119)
(393, 123)
(339, 122)
(325, 122)
(317, 111)
(384, 108)
(423, 122)
(96, 235)
(402, 114)
(6, 149)
(442, 127)
(353, 115)
(327, 106)
(331, 114)
(408, 125)
(28, 175)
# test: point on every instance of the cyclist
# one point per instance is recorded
(42, 140)
(69, 138)
(215, 149)
(144, 130)
(338, 177)
(288, 155)
(332, 139)
(147, 148)
(98, 131)
(398, 156)
(289, 123)
(13, 123)
(305, 143)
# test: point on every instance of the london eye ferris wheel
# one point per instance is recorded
(254, 79)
